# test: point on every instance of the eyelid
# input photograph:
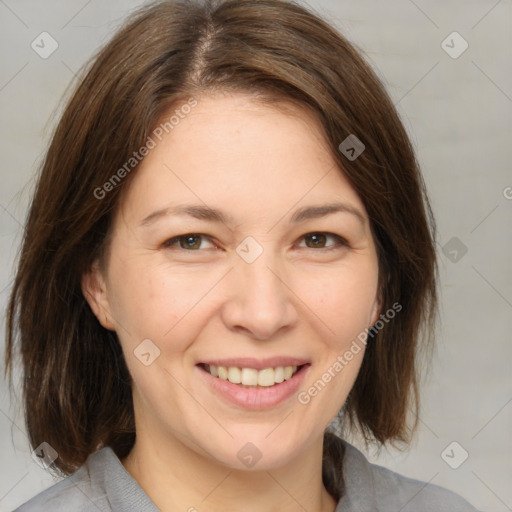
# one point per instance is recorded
(172, 241)
(341, 241)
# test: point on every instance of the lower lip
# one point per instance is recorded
(254, 398)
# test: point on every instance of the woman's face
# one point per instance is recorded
(223, 253)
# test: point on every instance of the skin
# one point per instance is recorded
(259, 164)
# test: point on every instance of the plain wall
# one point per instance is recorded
(458, 112)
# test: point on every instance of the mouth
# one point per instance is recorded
(247, 377)
(254, 384)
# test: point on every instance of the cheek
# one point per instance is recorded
(148, 301)
(341, 299)
(165, 303)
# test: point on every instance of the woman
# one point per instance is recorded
(237, 248)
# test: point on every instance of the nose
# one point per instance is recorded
(259, 300)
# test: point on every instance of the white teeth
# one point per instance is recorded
(266, 377)
(252, 377)
(234, 375)
(249, 376)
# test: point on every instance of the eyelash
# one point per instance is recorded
(341, 242)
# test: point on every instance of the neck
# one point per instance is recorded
(176, 477)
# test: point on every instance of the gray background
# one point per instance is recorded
(458, 113)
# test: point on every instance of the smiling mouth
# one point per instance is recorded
(252, 378)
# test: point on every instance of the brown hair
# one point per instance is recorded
(76, 385)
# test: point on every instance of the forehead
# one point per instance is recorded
(233, 152)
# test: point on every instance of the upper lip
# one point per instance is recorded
(257, 364)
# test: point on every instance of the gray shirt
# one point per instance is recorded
(103, 484)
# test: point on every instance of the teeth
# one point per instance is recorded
(249, 376)
(266, 377)
(279, 374)
(234, 375)
(252, 377)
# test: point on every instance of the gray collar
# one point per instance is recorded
(359, 487)
(120, 487)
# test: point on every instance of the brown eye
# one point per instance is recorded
(318, 240)
(190, 241)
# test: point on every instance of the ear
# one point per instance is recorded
(95, 292)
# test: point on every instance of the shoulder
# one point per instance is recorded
(101, 484)
(81, 492)
(387, 491)
(73, 493)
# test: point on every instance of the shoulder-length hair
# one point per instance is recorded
(76, 385)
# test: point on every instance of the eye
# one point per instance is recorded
(190, 241)
(317, 240)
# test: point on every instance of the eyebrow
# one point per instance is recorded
(203, 212)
